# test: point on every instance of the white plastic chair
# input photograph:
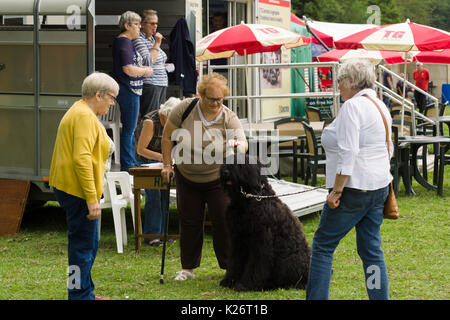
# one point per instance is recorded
(118, 203)
(111, 120)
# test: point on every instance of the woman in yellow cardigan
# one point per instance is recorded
(77, 174)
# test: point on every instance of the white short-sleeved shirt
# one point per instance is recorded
(355, 144)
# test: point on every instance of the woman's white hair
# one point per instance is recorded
(168, 106)
(128, 17)
(360, 70)
(98, 82)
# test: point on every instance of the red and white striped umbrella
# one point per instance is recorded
(247, 39)
(374, 56)
(403, 37)
(325, 38)
(442, 56)
(407, 36)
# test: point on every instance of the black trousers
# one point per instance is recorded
(420, 100)
(152, 98)
(191, 200)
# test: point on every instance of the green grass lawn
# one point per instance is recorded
(33, 263)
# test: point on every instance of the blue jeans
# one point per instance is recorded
(129, 111)
(387, 102)
(155, 208)
(364, 211)
(82, 245)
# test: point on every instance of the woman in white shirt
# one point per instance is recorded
(357, 175)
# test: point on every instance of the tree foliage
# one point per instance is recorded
(427, 12)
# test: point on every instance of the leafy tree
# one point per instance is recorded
(417, 11)
(440, 15)
(389, 11)
(346, 11)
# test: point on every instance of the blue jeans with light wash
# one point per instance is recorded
(155, 208)
(82, 245)
(364, 211)
(129, 111)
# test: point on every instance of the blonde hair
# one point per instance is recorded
(128, 17)
(210, 80)
(167, 107)
(98, 82)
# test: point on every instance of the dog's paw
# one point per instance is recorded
(226, 282)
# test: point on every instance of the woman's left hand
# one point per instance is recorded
(94, 210)
(333, 200)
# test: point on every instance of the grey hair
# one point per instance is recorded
(128, 17)
(98, 82)
(149, 13)
(362, 72)
(168, 106)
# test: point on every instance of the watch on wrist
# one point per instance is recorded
(336, 192)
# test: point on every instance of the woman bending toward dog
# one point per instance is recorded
(198, 183)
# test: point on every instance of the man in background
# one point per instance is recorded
(387, 82)
(421, 78)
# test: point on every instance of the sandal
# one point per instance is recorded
(184, 275)
(155, 243)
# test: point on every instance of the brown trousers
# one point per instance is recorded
(191, 200)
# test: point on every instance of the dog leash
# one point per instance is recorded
(259, 197)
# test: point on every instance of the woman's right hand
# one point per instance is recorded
(167, 173)
(158, 37)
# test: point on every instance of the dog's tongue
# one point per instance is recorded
(229, 182)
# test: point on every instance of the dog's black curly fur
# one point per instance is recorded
(268, 247)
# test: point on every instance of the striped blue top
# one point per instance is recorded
(143, 46)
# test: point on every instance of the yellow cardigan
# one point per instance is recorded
(80, 152)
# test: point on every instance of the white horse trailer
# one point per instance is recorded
(47, 48)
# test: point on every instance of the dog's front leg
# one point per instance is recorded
(257, 270)
(235, 264)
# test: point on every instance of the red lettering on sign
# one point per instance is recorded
(268, 30)
(393, 34)
(387, 33)
(398, 35)
(206, 39)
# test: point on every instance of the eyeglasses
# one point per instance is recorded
(136, 24)
(214, 100)
(152, 23)
(113, 98)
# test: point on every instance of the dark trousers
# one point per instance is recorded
(152, 98)
(82, 246)
(421, 100)
(191, 200)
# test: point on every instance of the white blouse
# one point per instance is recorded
(355, 144)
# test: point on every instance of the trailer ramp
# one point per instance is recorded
(13, 199)
(300, 203)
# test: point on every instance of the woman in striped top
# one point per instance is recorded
(148, 44)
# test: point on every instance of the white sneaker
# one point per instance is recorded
(184, 275)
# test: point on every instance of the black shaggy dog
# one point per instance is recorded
(268, 246)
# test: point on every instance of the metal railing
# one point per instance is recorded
(258, 115)
(406, 103)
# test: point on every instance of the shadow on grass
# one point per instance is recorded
(51, 217)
